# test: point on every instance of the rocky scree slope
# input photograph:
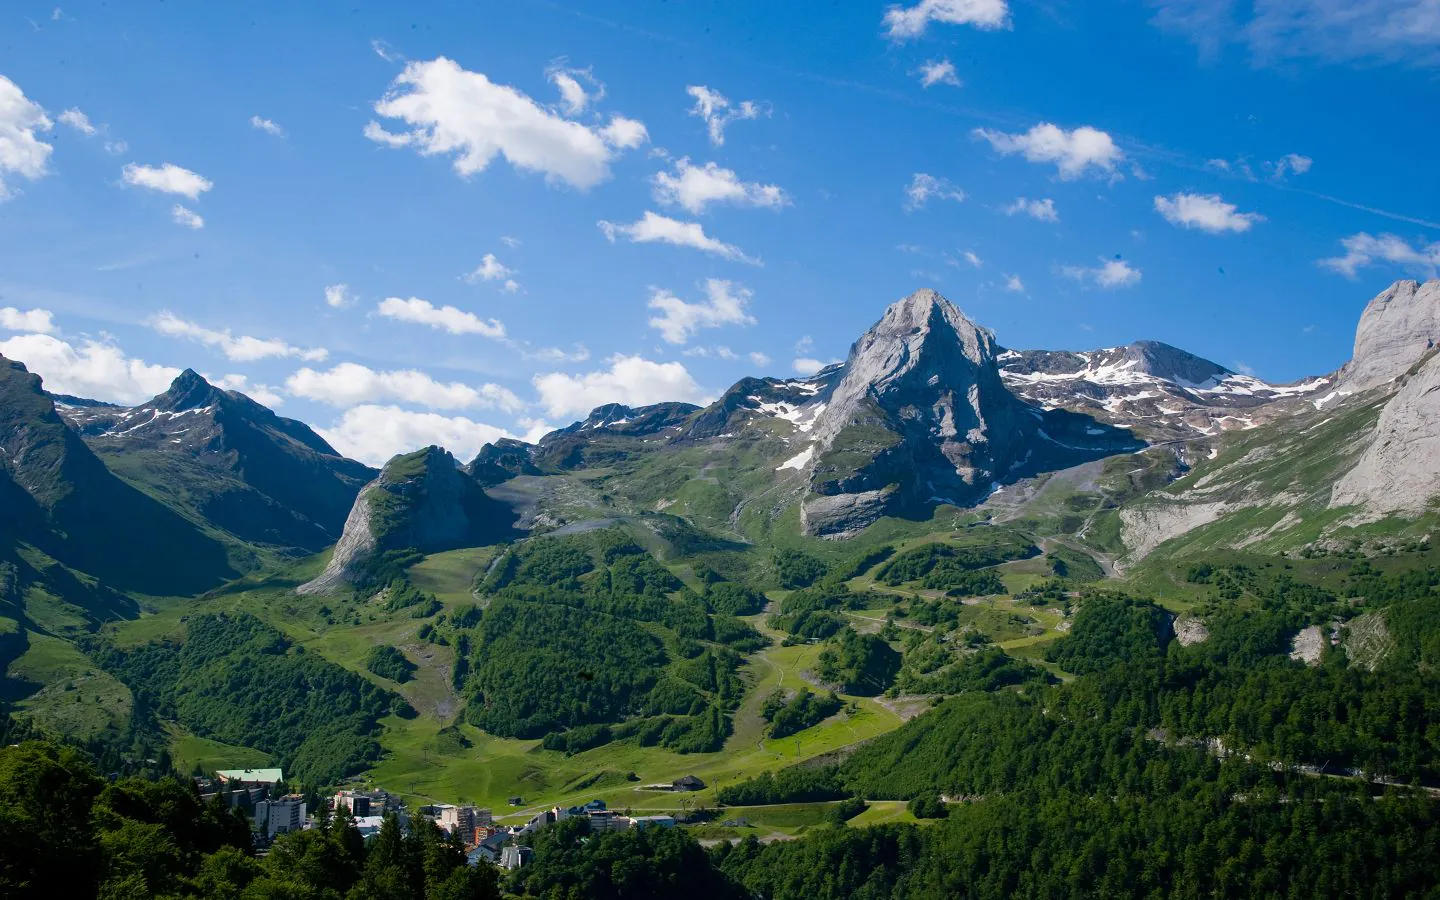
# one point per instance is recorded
(1160, 392)
(1366, 448)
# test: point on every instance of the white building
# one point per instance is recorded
(279, 816)
(653, 821)
(514, 856)
(461, 820)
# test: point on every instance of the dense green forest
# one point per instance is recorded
(1159, 770)
(239, 681)
(591, 630)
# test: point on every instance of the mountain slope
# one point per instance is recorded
(1161, 392)
(921, 416)
(224, 459)
(422, 501)
(1363, 451)
(80, 514)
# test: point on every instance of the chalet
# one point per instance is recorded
(687, 783)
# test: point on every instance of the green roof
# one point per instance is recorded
(254, 776)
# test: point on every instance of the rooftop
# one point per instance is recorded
(251, 776)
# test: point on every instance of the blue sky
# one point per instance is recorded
(489, 217)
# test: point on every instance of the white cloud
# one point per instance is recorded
(724, 304)
(167, 178)
(555, 354)
(267, 125)
(1337, 31)
(535, 429)
(718, 111)
(510, 286)
(973, 258)
(631, 380)
(1044, 210)
(260, 393)
(490, 269)
(511, 242)
(655, 228)
(807, 366)
(1293, 163)
(941, 71)
(1363, 249)
(575, 97)
(902, 22)
(34, 321)
(338, 295)
(453, 111)
(444, 318)
(100, 371)
(1072, 152)
(78, 121)
(923, 187)
(239, 349)
(1111, 273)
(1206, 212)
(805, 345)
(116, 147)
(625, 134)
(719, 351)
(384, 50)
(373, 434)
(1014, 284)
(759, 358)
(349, 384)
(21, 152)
(695, 187)
(187, 217)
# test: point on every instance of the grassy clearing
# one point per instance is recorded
(191, 752)
(449, 576)
(71, 695)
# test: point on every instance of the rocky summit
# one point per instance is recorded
(921, 415)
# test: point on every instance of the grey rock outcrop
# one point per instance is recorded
(422, 501)
(1396, 330)
(920, 416)
(355, 548)
(1399, 473)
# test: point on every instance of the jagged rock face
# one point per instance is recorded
(261, 477)
(1399, 473)
(502, 461)
(752, 397)
(576, 445)
(422, 500)
(1397, 328)
(1160, 391)
(921, 415)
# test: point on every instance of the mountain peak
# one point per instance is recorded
(1173, 364)
(922, 341)
(1398, 327)
(189, 390)
(927, 309)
